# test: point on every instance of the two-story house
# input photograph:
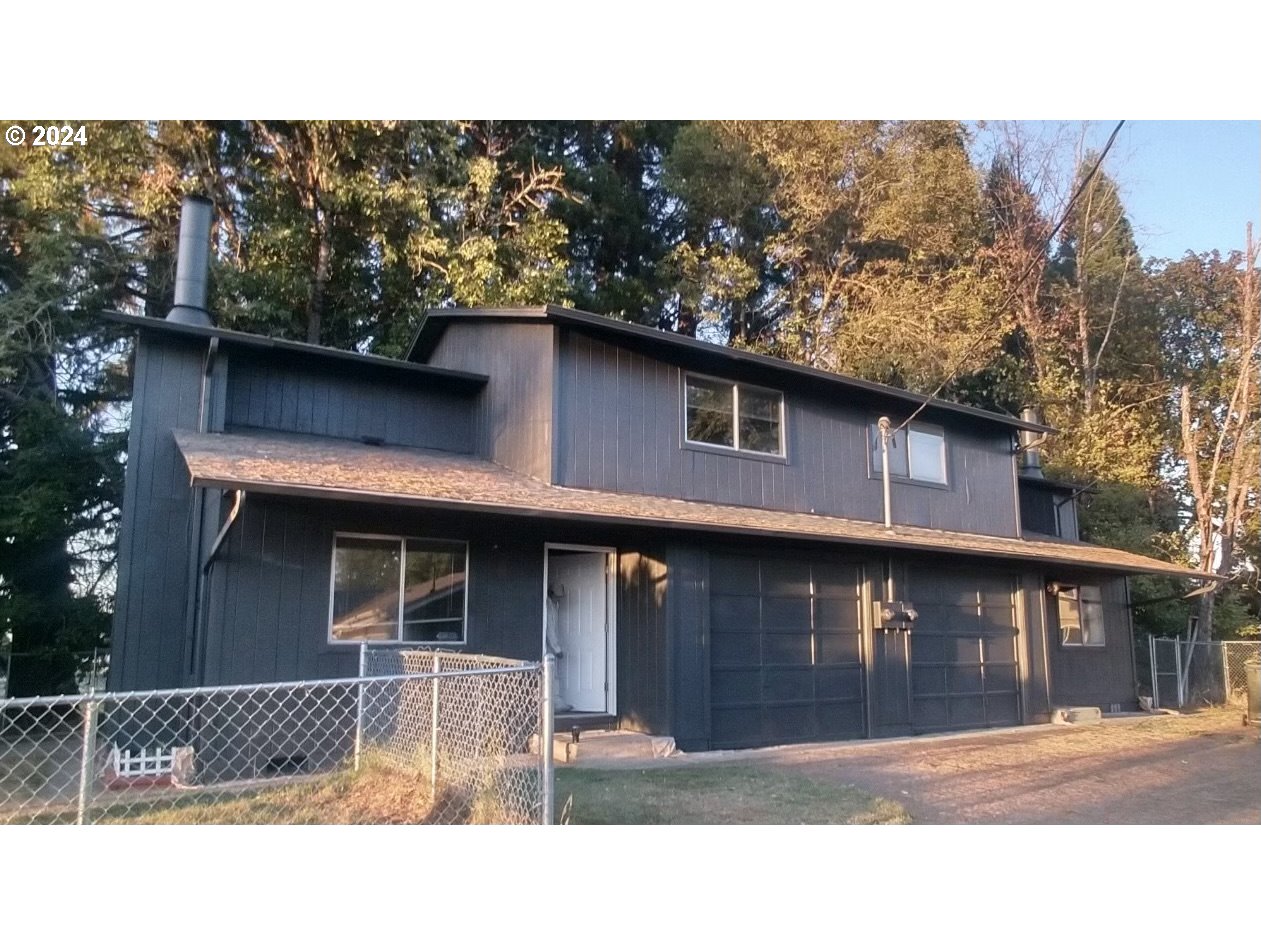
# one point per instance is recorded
(699, 533)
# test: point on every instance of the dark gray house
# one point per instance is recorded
(698, 531)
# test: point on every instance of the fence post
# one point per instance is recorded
(433, 731)
(1151, 649)
(547, 735)
(86, 766)
(363, 666)
(1177, 663)
(1224, 648)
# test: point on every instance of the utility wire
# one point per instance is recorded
(1046, 244)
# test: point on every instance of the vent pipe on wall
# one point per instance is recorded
(1031, 444)
(192, 267)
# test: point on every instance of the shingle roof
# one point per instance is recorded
(341, 469)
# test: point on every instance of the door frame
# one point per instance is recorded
(610, 613)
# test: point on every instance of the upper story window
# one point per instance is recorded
(398, 589)
(734, 416)
(1080, 612)
(917, 452)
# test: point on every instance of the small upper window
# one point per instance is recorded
(917, 452)
(1080, 611)
(735, 416)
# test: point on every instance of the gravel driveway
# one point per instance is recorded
(1200, 768)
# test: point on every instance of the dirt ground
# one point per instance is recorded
(1200, 768)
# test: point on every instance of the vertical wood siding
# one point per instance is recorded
(274, 393)
(513, 416)
(619, 428)
(148, 640)
(1094, 676)
(643, 660)
(267, 595)
(687, 617)
(1035, 682)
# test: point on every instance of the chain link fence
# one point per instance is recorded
(1180, 674)
(89, 668)
(418, 737)
(1235, 653)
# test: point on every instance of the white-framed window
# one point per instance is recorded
(1080, 612)
(732, 416)
(917, 452)
(395, 589)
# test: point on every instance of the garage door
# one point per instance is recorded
(785, 651)
(964, 669)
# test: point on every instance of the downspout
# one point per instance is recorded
(194, 621)
(884, 425)
(197, 659)
(1015, 492)
(238, 500)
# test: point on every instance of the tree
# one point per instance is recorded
(721, 273)
(1213, 342)
(853, 246)
(60, 472)
(618, 223)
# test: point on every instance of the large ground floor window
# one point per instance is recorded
(397, 589)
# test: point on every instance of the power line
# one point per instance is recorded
(1033, 262)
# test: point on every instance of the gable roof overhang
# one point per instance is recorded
(1055, 485)
(321, 468)
(461, 381)
(703, 356)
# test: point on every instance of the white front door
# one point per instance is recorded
(578, 628)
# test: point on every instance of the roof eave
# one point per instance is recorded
(893, 541)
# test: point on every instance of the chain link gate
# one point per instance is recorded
(1205, 673)
(1165, 655)
(460, 745)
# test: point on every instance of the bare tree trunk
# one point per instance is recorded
(323, 250)
(1088, 376)
(1221, 492)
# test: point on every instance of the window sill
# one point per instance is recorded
(906, 481)
(734, 453)
(350, 646)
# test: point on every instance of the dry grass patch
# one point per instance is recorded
(377, 795)
(715, 794)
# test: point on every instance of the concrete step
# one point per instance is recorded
(564, 748)
(608, 746)
(1077, 715)
(600, 747)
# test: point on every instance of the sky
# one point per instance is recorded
(1187, 185)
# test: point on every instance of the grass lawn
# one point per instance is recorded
(374, 796)
(667, 794)
(715, 794)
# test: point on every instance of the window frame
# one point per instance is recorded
(873, 447)
(402, 541)
(781, 456)
(1061, 593)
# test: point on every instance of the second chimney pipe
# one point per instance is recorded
(192, 267)
(1031, 451)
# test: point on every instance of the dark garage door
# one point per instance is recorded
(964, 671)
(785, 651)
